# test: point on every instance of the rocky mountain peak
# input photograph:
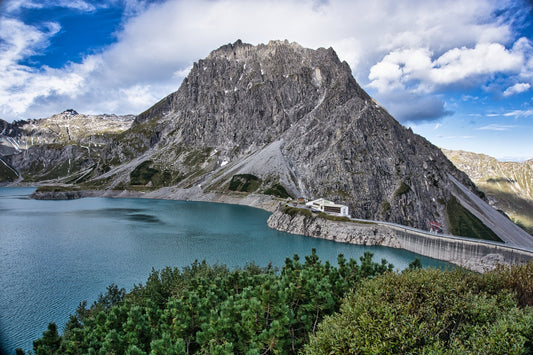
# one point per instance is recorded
(281, 119)
(296, 117)
(69, 112)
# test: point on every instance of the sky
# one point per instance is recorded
(459, 73)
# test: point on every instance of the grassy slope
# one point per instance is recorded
(509, 184)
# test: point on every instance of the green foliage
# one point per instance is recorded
(402, 189)
(333, 217)
(517, 279)
(197, 156)
(385, 207)
(426, 311)
(208, 309)
(7, 173)
(143, 173)
(49, 343)
(415, 264)
(293, 211)
(56, 188)
(244, 183)
(465, 224)
(277, 190)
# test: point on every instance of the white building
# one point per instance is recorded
(323, 205)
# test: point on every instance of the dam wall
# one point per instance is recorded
(474, 254)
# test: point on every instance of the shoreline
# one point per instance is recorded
(264, 202)
(476, 255)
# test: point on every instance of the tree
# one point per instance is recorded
(49, 343)
(425, 311)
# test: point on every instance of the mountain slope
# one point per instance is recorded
(282, 120)
(62, 146)
(294, 117)
(508, 185)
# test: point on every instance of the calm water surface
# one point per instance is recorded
(55, 254)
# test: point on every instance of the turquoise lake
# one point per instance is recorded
(55, 254)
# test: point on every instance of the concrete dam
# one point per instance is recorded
(474, 254)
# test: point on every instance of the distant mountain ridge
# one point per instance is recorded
(274, 119)
(54, 147)
(508, 185)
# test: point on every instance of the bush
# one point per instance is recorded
(211, 309)
(244, 183)
(425, 311)
(277, 190)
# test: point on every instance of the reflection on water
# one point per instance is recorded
(55, 254)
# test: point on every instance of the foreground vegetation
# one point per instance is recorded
(310, 307)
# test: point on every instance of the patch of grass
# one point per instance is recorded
(277, 190)
(244, 183)
(197, 156)
(58, 171)
(334, 218)
(6, 173)
(402, 189)
(385, 207)
(293, 211)
(143, 173)
(465, 224)
(56, 188)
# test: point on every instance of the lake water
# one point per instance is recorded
(55, 254)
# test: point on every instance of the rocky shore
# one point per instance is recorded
(265, 202)
(476, 255)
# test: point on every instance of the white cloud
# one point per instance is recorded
(456, 65)
(496, 127)
(519, 113)
(403, 50)
(516, 89)
(15, 5)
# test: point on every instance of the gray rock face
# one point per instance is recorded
(343, 232)
(296, 119)
(58, 146)
(302, 111)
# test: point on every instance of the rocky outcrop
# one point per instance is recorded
(63, 146)
(343, 232)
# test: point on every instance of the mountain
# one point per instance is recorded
(508, 185)
(275, 119)
(55, 147)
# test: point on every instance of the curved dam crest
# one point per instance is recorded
(476, 255)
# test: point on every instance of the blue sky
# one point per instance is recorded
(460, 73)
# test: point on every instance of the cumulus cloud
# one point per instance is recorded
(399, 68)
(516, 89)
(404, 51)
